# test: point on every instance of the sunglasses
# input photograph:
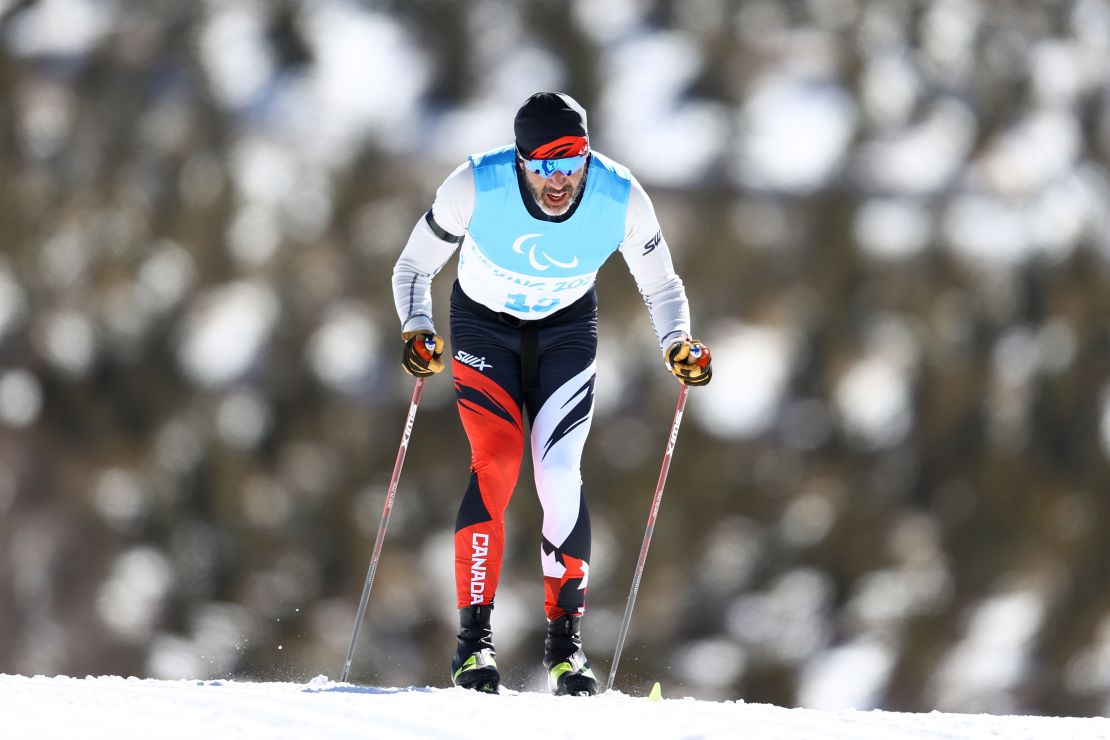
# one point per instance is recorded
(548, 167)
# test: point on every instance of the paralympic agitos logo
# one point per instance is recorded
(533, 260)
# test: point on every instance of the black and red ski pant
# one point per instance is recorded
(503, 367)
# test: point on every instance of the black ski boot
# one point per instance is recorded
(568, 670)
(474, 666)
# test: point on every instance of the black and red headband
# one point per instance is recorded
(551, 126)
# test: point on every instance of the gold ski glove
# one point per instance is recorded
(423, 354)
(690, 360)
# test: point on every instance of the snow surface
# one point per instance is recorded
(120, 708)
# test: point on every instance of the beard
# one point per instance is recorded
(563, 198)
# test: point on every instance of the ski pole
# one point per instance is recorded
(647, 535)
(381, 527)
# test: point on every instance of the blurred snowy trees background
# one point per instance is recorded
(892, 219)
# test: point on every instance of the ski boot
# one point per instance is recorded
(474, 665)
(568, 670)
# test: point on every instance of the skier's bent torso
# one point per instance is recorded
(533, 224)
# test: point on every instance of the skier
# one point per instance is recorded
(533, 223)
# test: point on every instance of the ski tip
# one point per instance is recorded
(656, 693)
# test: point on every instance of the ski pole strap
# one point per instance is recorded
(530, 357)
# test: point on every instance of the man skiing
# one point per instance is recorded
(533, 223)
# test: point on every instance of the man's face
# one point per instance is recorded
(554, 195)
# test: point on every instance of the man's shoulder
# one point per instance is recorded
(500, 155)
(492, 169)
(608, 163)
(609, 178)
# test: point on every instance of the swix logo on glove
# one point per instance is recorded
(478, 363)
(479, 544)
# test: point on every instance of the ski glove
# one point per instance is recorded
(423, 354)
(690, 360)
